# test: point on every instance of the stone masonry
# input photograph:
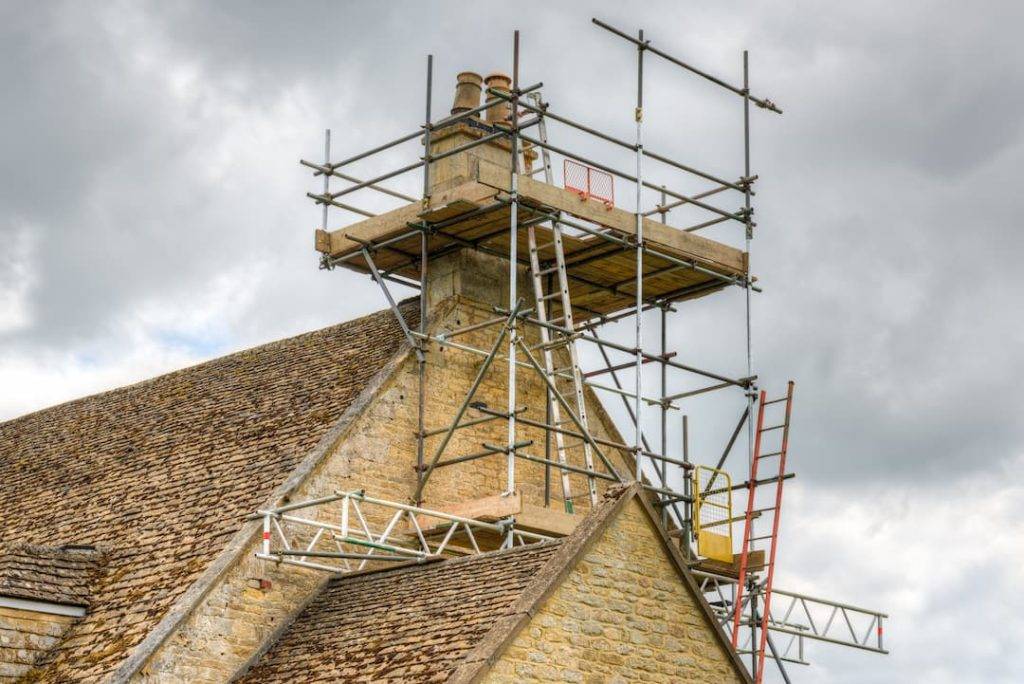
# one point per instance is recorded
(622, 615)
(25, 636)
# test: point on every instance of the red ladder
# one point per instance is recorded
(748, 526)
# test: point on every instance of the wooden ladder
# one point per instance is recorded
(748, 525)
(552, 340)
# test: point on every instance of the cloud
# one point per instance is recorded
(153, 214)
(16, 280)
(933, 558)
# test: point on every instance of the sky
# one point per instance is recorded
(153, 214)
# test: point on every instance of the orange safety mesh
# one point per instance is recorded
(588, 182)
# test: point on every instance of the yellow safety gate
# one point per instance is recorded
(712, 513)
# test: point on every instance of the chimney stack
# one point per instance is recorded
(467, 92)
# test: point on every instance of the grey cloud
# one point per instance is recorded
(149, 149)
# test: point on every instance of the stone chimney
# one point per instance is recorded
(463, 167)
(478, 277)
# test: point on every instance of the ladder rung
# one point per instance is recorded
(773, 427)
(762, 510)
(551, 295)
(754, 539)
(775, 401)
(774, 453)
(546, 271)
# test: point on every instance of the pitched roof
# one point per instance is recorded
(445, 621)
(160, 475)
(47, 573)
(411, 624)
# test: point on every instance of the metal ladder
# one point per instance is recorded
(748, 527)
(549, 344)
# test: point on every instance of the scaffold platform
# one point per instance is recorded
(600, 261)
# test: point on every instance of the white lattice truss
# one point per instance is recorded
(341, 540)
(797, 617)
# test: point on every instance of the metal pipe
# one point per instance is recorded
(666, 491)
(426, 133)
(325, 169)
(639, 358)
(704, 224)
(325, 200)
(763, 103)
(664, 207)
(513, 272)
(327, 179)
(375, 150)
(488, 450)
(650, 401)
(547, 440)
(470, 423)
(566, 466)
(691, 393)
(748, 235)
(687, 488)
(472, 328)
(372, 181)
(421, 366)
(391, 302)
(697, 172)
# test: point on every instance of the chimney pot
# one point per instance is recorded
(467, 92)
(502, 111)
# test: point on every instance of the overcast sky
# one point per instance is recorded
(152, 215)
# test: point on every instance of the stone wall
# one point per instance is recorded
(25, 636)
(622, 615)
(377, 452)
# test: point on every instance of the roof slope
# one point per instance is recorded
(48, 573)
(161, 474)
(411, 624)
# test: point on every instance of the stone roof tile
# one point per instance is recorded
(411, 624)
(46, 573)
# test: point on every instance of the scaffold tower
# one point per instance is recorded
(576, 264)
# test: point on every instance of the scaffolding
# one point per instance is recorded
(590, 264)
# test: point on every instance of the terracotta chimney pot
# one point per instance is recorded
(467, 92)
(501, 112)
